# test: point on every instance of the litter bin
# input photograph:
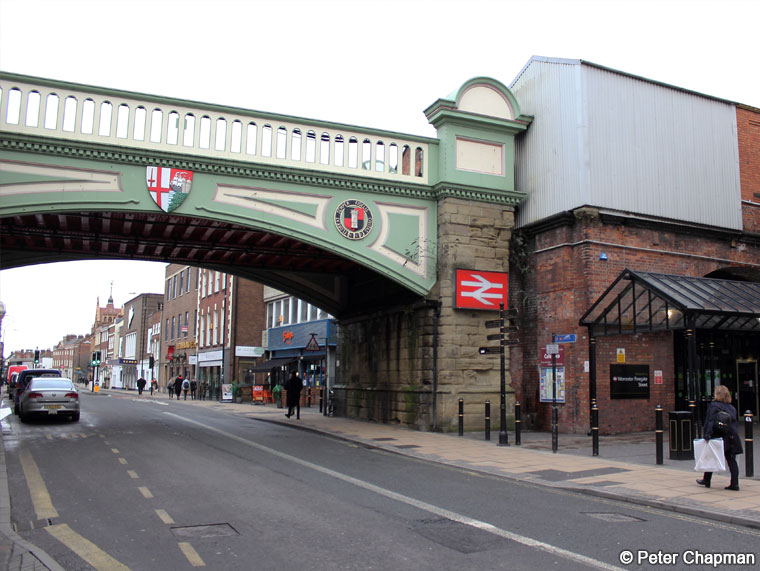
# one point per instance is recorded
(681, 443)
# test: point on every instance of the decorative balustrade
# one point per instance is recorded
(88, 114)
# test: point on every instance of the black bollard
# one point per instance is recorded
(518, 423)
(461, 417)
(321, 394)
(488, 420)
(308, 397)
(658, 432)
(749, 460)
(594, 428)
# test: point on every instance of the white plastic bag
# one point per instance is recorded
(708, 455)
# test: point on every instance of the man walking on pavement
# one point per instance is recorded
(141, 385)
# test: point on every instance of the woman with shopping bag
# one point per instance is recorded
(731, 443)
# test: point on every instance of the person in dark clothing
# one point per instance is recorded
(178, 386)
(193, 389)
(731, 442)
(141, 385)
(293, 399)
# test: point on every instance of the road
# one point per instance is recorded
(144, 484)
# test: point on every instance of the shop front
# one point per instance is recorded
(308, 348)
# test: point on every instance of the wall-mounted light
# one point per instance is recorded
(603, 256)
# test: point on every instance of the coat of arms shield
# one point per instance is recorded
(168, 187)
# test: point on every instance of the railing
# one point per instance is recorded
(78, 113)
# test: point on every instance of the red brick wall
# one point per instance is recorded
(566, 276)
(748, 127)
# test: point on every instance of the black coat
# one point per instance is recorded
(293, 385)
(732, 443)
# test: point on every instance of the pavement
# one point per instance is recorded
(625, 469)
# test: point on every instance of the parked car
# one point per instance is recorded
(49, 396)
(22, 380)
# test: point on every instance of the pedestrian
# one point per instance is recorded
(185, 387)
(153, 386)
(193, 388)
(178, 386)
(204, 388)
(293, 399)
(170, 388)
(731, 443)
(141, 385)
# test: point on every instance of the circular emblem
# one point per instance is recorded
(353, 219)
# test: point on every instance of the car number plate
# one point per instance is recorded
(52, 408)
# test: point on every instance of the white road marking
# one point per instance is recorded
(191, 554)
(436, 510)
(165, 517)
(145, 492)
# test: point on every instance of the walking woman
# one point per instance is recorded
(731, 443)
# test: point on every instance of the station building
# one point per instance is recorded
(637, 247)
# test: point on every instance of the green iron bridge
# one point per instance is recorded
(348, 218)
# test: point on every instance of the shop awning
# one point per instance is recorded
(272, 364)
(638, 302)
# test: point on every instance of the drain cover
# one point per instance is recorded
(613, 517)
(201, 531)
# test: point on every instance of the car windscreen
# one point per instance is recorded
(51, 383)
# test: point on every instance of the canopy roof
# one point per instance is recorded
(638, 302)
(272, 363)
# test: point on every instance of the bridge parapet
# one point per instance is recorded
(39, 107)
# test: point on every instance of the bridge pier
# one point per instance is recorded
(389, 367)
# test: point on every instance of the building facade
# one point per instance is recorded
(626, 174)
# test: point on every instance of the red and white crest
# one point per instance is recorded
(168, 187)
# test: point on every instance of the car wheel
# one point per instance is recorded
(22, 417)
(75, 417)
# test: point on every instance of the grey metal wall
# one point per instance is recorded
(623, 143)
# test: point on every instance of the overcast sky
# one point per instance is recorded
(375, 64)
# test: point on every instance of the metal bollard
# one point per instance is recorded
(658, 432)
(518, 423)
(594, 428)
(461, 417)
(308, 397)
(749, 460)
(488, 420)
(321, 396)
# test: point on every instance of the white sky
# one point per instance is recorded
(371, 63)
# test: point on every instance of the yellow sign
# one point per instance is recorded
(620, 355)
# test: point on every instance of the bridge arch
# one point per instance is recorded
(367, 224)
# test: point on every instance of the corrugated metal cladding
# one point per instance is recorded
(622, 143)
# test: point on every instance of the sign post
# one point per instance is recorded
(504, 329)
(553, 350)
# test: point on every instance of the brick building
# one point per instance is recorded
(623, 173)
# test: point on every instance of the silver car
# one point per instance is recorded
(49, 396)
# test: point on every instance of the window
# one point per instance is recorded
(216, 281)
(181, 277)
(303, 311)
(195, 322)
(174, 324)
(188, 280)
(166, 331)
(216, 327)
(286, 311)
(202, 337)
(187, 325)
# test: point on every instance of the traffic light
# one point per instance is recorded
(97, 358)
(36, 356)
